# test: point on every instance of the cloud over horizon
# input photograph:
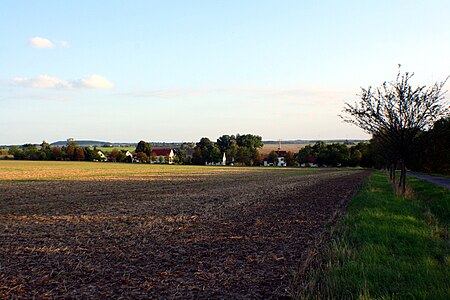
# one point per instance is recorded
(93, 81)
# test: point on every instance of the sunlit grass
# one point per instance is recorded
(433, 198)
(386, 249)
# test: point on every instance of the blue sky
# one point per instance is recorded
(180, 70)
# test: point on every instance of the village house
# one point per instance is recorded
(102, 155)
(281, 161)
(281, 158)
(162, 155)
(129, 155)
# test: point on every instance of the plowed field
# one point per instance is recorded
(116, 230)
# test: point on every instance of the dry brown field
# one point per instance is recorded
(294, 148)
(104, 230)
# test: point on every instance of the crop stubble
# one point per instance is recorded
(232, 235)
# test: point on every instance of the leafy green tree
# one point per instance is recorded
(215, 155)
(197, 157)
(122, 156)
(228, 145)
(361, 155)
(305, 155)
(185, 146)
(319, 147)
(435, 154)
(57, 153)
(142, 157)
(180, 157)
(78, 154)
(70, 152)
(17, 152)
(336, 154)
(46, 149)
(115, 154)
(224, 142)
(71, 142)
(356, 158)
(145, 147)
(290, 159)
(31, 152)
(272, 158)
(244, 156)
(91, 154)
(205, 145)
(256, 158)
(250, 141)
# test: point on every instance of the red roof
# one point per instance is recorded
(281, 153)
(161, 152)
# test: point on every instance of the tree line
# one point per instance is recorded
(47, 152)
(408, 124)
(238, 150)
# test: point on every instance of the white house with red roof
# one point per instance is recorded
(162, 155)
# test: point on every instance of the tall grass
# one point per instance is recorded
(388, 247)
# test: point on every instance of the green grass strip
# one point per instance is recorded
(432, 198)
(387, 248)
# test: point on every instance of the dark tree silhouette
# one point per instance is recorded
(395, 113)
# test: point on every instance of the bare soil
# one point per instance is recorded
(224, 236)
(294, 148)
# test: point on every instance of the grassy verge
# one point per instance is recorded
(432, 198)
(388, 246)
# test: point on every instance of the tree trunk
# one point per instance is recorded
(394, 167)
(404, 178)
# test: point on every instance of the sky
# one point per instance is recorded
(124, 71)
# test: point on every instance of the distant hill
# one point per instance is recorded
(86, 143)
(313, 141)
(91, 143)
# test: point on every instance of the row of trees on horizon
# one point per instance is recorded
(244, 150)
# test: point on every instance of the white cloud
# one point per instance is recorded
(40, 42)
(95, 81)
(41, 82)
(50, 82)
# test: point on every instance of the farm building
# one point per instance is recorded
(281, 158)
(281, 162)
(163, 155)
